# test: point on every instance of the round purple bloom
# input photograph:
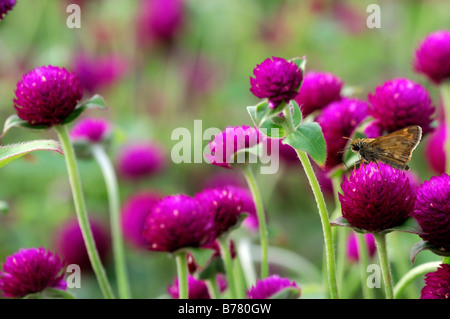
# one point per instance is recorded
(433, 56)
(134, 213)
(248, 207)
(175, 222)
(435, 153)
(47, 95)
(432, 211)
(140, 160)
(376, 200)
(267, 287)
(224, 145)
(90, 129)
(30, 271)
(70, 244)
(353, 250)
(317, 91)
(437, 284)
(5, 6)
(338, 120)
(277, 80)
(400, 103)
(197, 288)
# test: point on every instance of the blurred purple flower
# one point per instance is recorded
(338, 120)
(353, 250)
(47, 95)
(437, 284)
(400, 103)
(434, 149)
(30, 271)
(197, 288)
(376, 200)
(175, 222)
(223, 179)
(287, 153)
(248, 207)
(70, 245)
(317, 91)
(277, 80)
(433, 56)
(140, 160)
(134, 212)
(90, 129)
(5, 6)
(267, 287)
(432, 211)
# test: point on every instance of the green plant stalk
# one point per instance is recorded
(339, 233)
(182, 272)
(112, 188)
(228, 261)
(380, 240)
(241, 285)
(363, 255)
(400, 264)
(445, 93)
(80, 208)
(413, 274)
(213, 288)
(263, 234)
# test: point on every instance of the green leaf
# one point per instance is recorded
(343, 222)
(212, 268)
(9, 153)
(272, 129)
(296, 113)
(15, 121)
(409, 226)
(308, 137)
(425, 245)
(300, 62)
(286, 293)
(94, 102)
(4, 207)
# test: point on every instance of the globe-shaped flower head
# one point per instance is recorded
(433, 56)
(432, 211)
(47, 95)
(31, 271)
(267, 287)
(437, 284)
(277, 80)
(139, 160)
(90, 129)
(5, 6)
(375, 199)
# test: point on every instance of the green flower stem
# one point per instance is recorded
(263, 235)
(413, 274)
(80, 208)
(239, 279)
(213, 288)
(182, 272)
(380, 240)
(363, 255)
(339, 233)
(326, 227)
(114, 209)
(228, 261)
(445, 92)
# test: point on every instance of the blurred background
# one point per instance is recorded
(162, 64)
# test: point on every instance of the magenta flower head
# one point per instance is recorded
(233, 139)
(433, 56)
(134, 212)
(437, 284)
(338, 120)
(47, 95)
(400, 103)
(376, 200)
(248, 207)
(267, 287)
(5, 6)
(277, 80)
(31, 271)
(91, 130)
(176, 222)
(197, 289)
(317, 91)
(353, 250)
(70, 244)
(432, 211)
(140, 160)
(435, 153)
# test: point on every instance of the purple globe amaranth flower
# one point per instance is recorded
(175, 222)
(353, 249)
(432, 211)
(267, 287)
(134, 212)
(437, 284)
(140, 160)
(399, 103)
(277, 80)
(248, 207)
(5, 6)
(434, 149)
(317, 91)
(30, 271)
(70, 244)
(338, 120)
(433, 56)
(91, 129)
(375, 199)
(224, 145)
(197, 288)
(47, 95)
